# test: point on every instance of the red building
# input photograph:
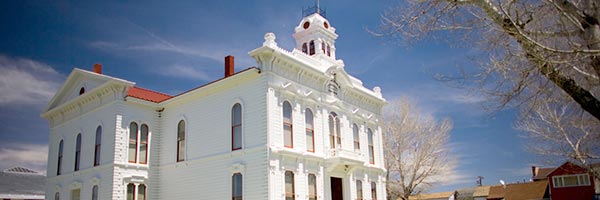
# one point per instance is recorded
(566, 182)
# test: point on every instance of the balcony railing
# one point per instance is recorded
(346, 155)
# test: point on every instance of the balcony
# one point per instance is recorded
(339, 156)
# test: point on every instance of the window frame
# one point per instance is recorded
(141, 191)
(234, 126)
(356, 137)
(61, 146)
(309, 130)
(143, 142)
(311, 47)
(359, 190)
(373, 190)
(234, 188)
(334, 130)
(582, 180)
(291, 194)
(133, 192)
(371, 146)
(304, 48)
(77, 153)
(181, 129)
(135, 152)
(289, 124)
(97, 146)
(95, 192)
(315, 195)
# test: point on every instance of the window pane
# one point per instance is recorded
(359, 189)
(99, 135)
(312, 186)
(289, 185)
(310, 146)
(130, 191)
(570, 180)
(143, 153)
(356, 137)
(97, 146)
(133, 131)
(60, 155)
(78, 152)
(141, 192)
(181, 130)
(287, 135)
(76, 194)
(236, 114)
(56, 196)
(287, 112)
(144, 133)
(181, 148)
(237, 137)
(144, 144)
(309, 119)
(236, 191)
(95, 192)
(373, 190)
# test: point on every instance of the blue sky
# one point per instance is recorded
(174, 47)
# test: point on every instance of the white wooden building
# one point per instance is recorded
(297, 126)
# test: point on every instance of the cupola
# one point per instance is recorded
(315, 35)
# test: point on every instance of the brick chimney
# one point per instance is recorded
(229, 65)
(534, 170)
(98, 68)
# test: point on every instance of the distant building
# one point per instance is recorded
(520, 191)
(297, 126)
(566, 182)
(473, 193)
(19, 183)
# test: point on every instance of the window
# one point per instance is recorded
(60, 158)
(236, 186)
(141, 192)
(288, 136)
(359, 191)
(78, 152)
(371, 149)
(289, 185)
(97, 146)
(312, 47)
(373, 191)
(133, 129)
(328, 50)
(356, 137)
(304, 48)
(81, 91)
(310, 130)
(312, 187)
(56, 196)
(323, 47)
(181, 141)
(236, 127)
(95, 192)
(76, 194)
(130, 191)
(144, 144)
(571, 180)
(334, 131)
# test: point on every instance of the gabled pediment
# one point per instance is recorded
(80, 83)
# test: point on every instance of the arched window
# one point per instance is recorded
(56, 196)
(78, 152)
(81, 91)
(328, 50)
(236, 187)
(141, 192)
(359, 191)
(304, 48)
(60, 158)
(312, 187)
(236, 127)
(181, 141)
(371, 149)
(289, 186)
(133, 141)
(356, 137)
(97, 146)
(288, 136)
(144, 144)
(310, 130)
(373, 191)
(95, 192)
(334, 131)
(130, 191)
(312, 47)
(323, 47)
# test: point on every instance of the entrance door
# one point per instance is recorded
(337, 193)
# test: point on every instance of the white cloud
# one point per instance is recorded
(186, 72)
(26, 82)
(26, 155)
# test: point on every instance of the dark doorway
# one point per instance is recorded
(337, 193)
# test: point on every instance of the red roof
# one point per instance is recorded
(147, 95)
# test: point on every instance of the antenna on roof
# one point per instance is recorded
(314, 9)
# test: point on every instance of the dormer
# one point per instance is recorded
(315, 36)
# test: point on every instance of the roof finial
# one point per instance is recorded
(318, 7)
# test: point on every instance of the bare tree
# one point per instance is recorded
(556, 128)
(416, 149)
(528, 47)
